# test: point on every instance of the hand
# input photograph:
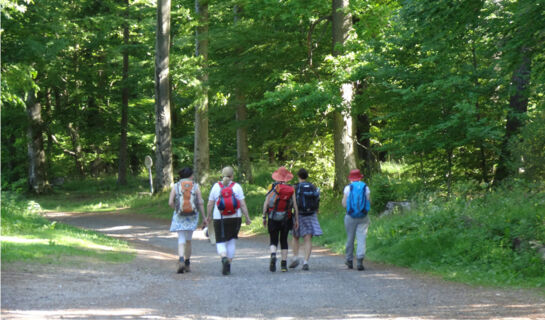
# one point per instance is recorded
(248, 220)
(265, 222)
(296, 225)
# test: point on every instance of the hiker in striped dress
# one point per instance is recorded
(308, 202)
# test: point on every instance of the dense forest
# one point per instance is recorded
(453, 89)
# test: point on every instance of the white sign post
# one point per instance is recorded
(149, 162)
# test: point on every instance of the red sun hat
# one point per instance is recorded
(282, 175)
(355, 175)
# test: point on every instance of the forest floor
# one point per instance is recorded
(149, 288)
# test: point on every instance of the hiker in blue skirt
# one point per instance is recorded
(185, 198)
(308, 203)
(357, 202)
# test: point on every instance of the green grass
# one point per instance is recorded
(28, 236)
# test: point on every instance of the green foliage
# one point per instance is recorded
(28, 236)
(485, 239)
(530, 148)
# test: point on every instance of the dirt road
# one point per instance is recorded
(149, 288)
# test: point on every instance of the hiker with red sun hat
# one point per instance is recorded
(278, 208)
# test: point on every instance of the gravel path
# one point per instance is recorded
(149, 288)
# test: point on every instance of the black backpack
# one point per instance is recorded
(308, 198)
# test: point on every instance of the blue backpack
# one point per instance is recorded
(357, 205)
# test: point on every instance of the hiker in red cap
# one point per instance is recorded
(357, 202)
(277, 209)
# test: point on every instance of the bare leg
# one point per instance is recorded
(187, 253)
(308, 246)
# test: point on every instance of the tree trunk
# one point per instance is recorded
(202, 149)
(243, 155)
(518, 105)
(343, 124)
(122, 169)
(37, 176)
(163, 137)
(74, 137)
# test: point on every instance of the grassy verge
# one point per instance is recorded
(28, 236)
(490, 238)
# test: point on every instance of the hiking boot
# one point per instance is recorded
(294, 263)
(305, 266)
(225, 270)
(272, 265)
(284, 266)
(360, 265)
(349, 264)
(186, 266)
(181, 266)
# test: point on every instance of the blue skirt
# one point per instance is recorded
(308, 225)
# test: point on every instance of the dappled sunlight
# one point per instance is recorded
(118, 228)
(156, 255)
(121, 313)
(23, 240)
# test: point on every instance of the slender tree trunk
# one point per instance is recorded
(449, 172)
(47, 117)
(123, 158)
(481, 146)
(163, 137)
(37, 175)
(343, 123)
(518, 105)
(77, 153)
(202, 149)
(243, 154)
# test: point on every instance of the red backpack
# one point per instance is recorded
(280, 202)
(227, 202)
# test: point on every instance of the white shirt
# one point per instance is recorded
(215, 194)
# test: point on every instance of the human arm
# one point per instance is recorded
(244, 209)
(345, 197)
(265, 209)
(294, 201)
(200, 204)
(209, 210)
(171, 197)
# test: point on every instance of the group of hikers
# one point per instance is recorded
(286, 208)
